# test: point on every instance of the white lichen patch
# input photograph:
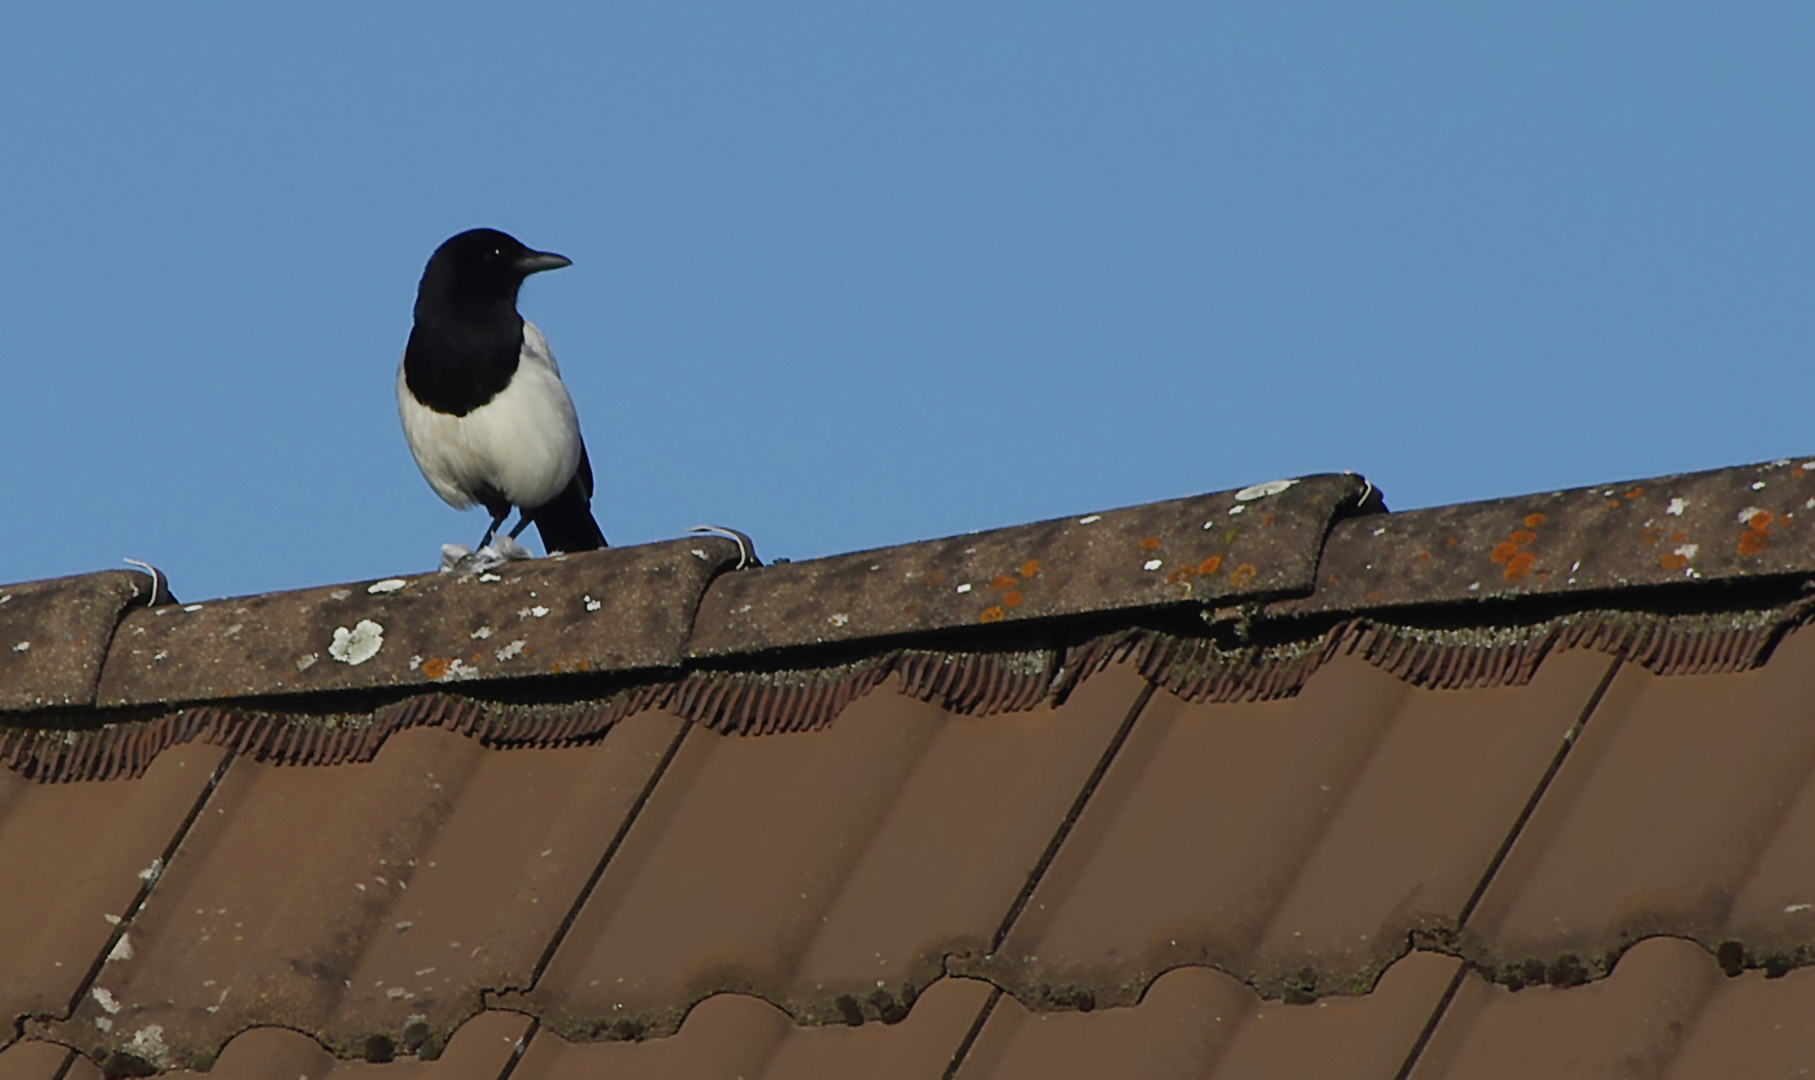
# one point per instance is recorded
(591, 604)
(511, 650)
(105, 999)
(700, 554)
(1153, 564)
(307, 662)
(122, 950)
(481, 634)
(357, 645)
(388, 585)
(538, 611)
(1234, 510)
(1677, 506)
(839, 619)
(1688, 551)
(148, 1043)
(151, 873)
(341, 594)
(1091, 520)
(192, 607)
(22, 646)
(1745, 516)
(1261, 491)
(964, 588)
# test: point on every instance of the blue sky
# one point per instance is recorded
(848, 275)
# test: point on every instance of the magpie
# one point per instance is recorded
(484, 409)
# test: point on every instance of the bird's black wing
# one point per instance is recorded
(565, 523)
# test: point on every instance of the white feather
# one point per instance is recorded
(524, 443)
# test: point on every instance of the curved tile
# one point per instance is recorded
(731, 1035)
(74, 856)
(368, 901)
(1687, 807)
(1294, 843)
(1665, 1011)
(829, 872)
(1197, 1023)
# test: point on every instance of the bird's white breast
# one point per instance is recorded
(523, 443)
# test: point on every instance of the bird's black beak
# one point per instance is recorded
(537, 261)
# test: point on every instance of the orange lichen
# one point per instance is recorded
(1424, 556)
(1522, 537)
(1002, 581)
(434, 667)
(992, 613)
(1758, 530)
(1243, 574)
(1012, 598)
(1030, 568)
(1635, 492)
(1672, 561)
(1453, 541)
(1504, 551)
(1519, 565)
(1151, 543)
(1532, 521)
(1678, 537)
(1210, 565)
(1183, 573)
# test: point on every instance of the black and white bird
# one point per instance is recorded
(483, 405)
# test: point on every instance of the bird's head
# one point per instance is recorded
(480, 269)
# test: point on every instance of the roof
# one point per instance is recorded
(1265, 782)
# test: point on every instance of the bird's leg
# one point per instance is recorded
(498, 517)
(523, 520)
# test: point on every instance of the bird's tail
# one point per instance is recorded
(566, 523)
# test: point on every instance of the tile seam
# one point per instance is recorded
(970, 1037)
(1531, 804)
(522, 1047)
(1430, 1026)
(611, 850)
(1038, 872)
(145, 890)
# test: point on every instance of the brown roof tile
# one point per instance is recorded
(478, 1051)
(1294, 843)
(366, 904)
(73, 860)
(618, 609)
(1260, 541)
(731, 1035)
(1665, 1011)
(1199, 794)
(1687, 807)
(1202, 1024)
(54, 636)
(32, 1059)
(829, 872)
